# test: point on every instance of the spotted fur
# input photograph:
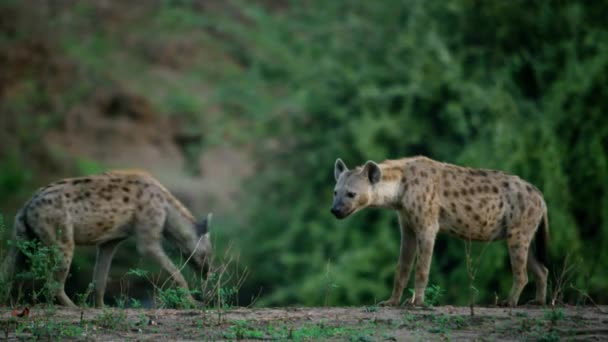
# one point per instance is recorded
(432, 197)
(103, 210)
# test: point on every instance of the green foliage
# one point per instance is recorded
(174, 298)
(526, 94)
(555, 315)
(432, 294)
(50, 329)
(516, 86)
(42, 263)
(115, 319)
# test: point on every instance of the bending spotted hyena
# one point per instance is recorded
(104, 210)
(432, 197)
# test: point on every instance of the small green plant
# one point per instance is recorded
(135, 303)
(113, 319)
(175, 298)
(329, 283)
(409, 320)
(554, 315)
(48, 329)
(82, 298)
(433, 294)
(243, 330)
(548, 336)
(121, 301)
(372, 308)
(446, 323)
(44, 262)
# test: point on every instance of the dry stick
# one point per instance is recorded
(590, 299)
(472, 272)
(564, 277)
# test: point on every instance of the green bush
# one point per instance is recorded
(516, 86)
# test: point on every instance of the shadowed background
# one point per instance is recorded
(241, 108)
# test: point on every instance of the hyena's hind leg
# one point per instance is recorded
(518, 242)
(105, 253)
(62, 239)
(540, 273)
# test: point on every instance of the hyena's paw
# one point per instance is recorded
(507, 303)
(389, 302)
(418, 302)
(536, 302)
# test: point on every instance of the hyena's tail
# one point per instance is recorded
(14, 259)
(542, 240)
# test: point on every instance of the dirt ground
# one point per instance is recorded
(307, 324)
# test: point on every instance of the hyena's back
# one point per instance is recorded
(481, 204)
(92, 210)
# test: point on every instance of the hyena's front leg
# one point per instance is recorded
(407, 254)
(156, 251)
(426, 242)
(105, 252)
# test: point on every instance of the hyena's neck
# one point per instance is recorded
(386, 194)
(181, 230)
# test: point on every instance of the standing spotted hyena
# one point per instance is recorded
(473, 204)
(104, 210)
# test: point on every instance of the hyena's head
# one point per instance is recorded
(353, 190)
(202, 255)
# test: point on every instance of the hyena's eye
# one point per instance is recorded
(335, 193)
(351, 194)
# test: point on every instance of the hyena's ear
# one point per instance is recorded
(202, 227)
(339, 167)
(374, 174)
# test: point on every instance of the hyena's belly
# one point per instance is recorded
(468, 224)
(96, 225)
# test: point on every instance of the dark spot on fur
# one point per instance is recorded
(125, 189)
(505, 184)
(446, 193)
(115, 180)
(495, 189)
(468, 207)
(403, 179)
(416, 181)
(433, 171)
(447, 184)
(476, 217)
(455, 193)
(472, 191)
(463, 192)
(125, 199)
(423, 174)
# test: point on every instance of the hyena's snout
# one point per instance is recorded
(339, 210)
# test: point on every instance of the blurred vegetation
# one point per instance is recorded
(519, 86)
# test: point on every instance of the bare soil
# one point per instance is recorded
(298, 323)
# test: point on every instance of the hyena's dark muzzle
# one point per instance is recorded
(339, 210)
